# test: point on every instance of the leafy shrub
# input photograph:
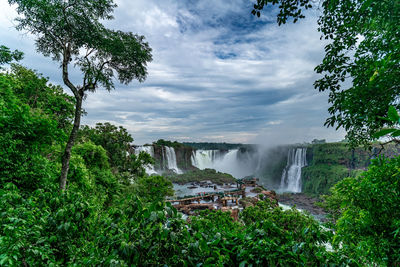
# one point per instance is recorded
(93, 155)
(25, 136)
(277, 237)
(153, 188)
(23, 239)
(367, 209)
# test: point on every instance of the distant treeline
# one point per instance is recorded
(213, 146)
(174, 144)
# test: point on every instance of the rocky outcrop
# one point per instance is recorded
(183, 157)
(262, 194)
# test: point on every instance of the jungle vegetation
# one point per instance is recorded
(109, 212)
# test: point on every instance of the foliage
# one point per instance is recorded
(287, 9)
(316, 141)
(66, 33)
(278, 237)
(329, 163)
(136, 164)
(361, 65)
(22, 234)
(153, 188)
(7, 56)
(63, 29)
(318, 179)
(202, 176)
(79, 173)
(174, 144)
(367, 210)
(25, 136)
(93, 155)
(392, 133)
(116, 141)
(34, 90)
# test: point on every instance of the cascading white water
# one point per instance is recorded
(228, 162)
(203, 159)
(170, 161)
(150, 150)
(259, 161)
(291, 175)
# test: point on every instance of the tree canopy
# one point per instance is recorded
(367, 212)
(71, 32)
(287, 9)
(361, 66)
(117, 143)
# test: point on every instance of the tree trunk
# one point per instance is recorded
(71, 140)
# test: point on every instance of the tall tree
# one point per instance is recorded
(71, 32)
(361, 67)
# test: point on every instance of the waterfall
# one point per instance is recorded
(169, 159)
(259, 162)
(291, 175)
(150, 150)
(233, 161)
(203, 159)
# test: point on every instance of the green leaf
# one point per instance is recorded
(366, 5)
(393, 115)
(396, 133)
(384, 132)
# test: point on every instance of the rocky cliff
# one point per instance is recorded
(183, 157)
(331, 162)
(327, 163)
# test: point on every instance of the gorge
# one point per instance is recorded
(309, 168)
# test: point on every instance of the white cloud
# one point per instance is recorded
(217, 74)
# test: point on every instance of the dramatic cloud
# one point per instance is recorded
(219, 74)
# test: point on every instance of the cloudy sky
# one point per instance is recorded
(218, 74)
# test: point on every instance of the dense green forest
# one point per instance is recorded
(75, 195)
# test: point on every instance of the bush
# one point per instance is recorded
(367, 209)
(25, 137)
(93, 155)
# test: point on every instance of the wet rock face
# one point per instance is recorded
(302, 201)
(270, 194)
(158, 158)
(248, 201)
(262, 194)
(183, 158)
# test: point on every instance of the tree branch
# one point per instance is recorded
(92, 86)
(65, 62)
(394, 140)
